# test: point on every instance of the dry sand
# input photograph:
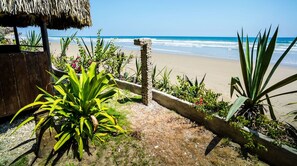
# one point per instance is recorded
(218, 74)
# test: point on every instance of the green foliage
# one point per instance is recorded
(64, 44)
(78, 110)
(4, 31)
(117, 63)
(31, 41)
(195, 92)
(99, 53)
(61, 61)
(155, 75)
(187, 89)
(294, 112)
(164, 83)
(1, 36)
(105, 54)
(254, 88)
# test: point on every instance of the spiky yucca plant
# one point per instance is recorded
(254, 89)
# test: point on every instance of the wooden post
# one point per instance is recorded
(146, 69)
(45, 43)
(16, 36)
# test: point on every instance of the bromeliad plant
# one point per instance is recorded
(78, 107)
(254, 89)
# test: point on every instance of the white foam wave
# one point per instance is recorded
(172, 51)
(185, 43)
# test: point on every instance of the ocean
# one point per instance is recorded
(214, 47)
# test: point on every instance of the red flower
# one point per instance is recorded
(79, 69)
(73, 65)
(201, 101)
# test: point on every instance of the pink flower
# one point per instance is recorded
(79, 69)
(73, 65)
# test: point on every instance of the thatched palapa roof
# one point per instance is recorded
(57, 14)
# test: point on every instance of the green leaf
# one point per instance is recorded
(62, 79)
(236, 105)
(243, 64)
(60, 90)
(111, 119)
(278, 63)
(89, 125)
(40, 122)
(26, 107)
(234, 82)
(80, 147)
(23, 123)
(272, 115)
(82, 119)
(64, 138)
(278, 85)
(38, 97)
(45, 92)
(92, 71)
(73, 79)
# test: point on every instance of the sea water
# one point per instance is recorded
(214, 47)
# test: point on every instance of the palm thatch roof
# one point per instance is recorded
(57, 14)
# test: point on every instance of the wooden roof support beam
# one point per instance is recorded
(16, 36)
(45, 43)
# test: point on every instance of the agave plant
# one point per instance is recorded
(79, 107)
(254, 89)
(32, 40)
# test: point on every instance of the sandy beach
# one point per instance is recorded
(218, 74)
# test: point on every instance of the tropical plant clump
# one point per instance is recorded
(61, 61)
(195, 92)
(78, 110)
(105, 54)
(253, 98)
(254, 89)
(31, 42)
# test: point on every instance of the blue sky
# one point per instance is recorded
(188, 17)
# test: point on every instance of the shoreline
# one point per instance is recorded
(218, 74)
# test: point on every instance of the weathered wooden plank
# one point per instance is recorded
(23, 85)
(33, 74)
(43, 68)
(9, 90)
(20, 74)
(2, 104)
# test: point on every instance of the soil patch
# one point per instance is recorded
(175, 140)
